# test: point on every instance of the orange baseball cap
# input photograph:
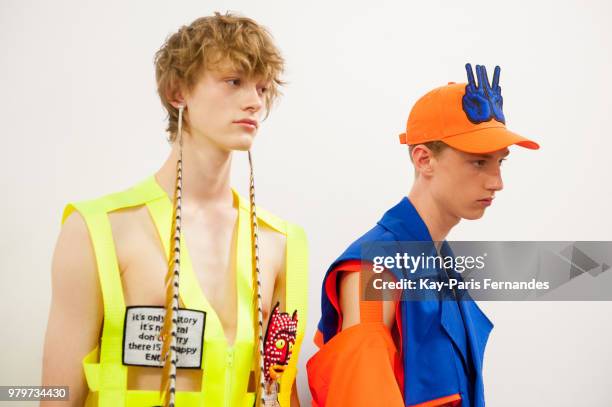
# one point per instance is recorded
(466, 116)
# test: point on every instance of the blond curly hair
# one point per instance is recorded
(209, 42)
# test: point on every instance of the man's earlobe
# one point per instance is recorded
(177, 103)
(175, 98)
(424, 167)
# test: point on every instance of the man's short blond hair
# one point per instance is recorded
(208, 43)
(435, 146)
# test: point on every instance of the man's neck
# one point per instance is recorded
(439, 221)
(206, 172)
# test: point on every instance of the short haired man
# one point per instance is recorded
(418, 353)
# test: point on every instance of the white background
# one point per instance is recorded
(80, 118)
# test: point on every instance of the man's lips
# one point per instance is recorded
(486, 201)
(248, 122)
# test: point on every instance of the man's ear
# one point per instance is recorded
(175, 96)
(422, 158)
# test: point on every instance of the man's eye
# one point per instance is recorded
(261, 89)
(479, 163)
(234, 82)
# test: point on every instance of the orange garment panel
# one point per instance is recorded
(357, 367)
(360, 366)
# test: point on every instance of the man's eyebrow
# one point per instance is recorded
(229, 72)
(487, 156)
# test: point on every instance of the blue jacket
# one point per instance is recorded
(443, 341)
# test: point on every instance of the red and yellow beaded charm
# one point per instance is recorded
(278, 345)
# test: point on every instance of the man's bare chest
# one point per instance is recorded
(212, 250)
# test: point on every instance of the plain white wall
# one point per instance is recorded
(81, 118)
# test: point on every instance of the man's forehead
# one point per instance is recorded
(494, 154)
(225, 66)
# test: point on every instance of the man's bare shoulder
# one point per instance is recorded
(124, 215)
(74, 269)
(73, 246)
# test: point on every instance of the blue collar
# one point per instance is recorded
(405, 223)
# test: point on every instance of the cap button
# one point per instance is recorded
(451, 83)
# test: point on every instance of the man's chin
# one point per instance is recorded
(473, 214)
(241, 142)
(235, 146)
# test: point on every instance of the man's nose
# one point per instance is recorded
(253, 100)
(495, 182)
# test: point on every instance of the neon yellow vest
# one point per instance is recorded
(226, 369)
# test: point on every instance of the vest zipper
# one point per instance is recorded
(228, 375)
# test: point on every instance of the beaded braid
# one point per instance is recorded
(257, 292)
(169, 331)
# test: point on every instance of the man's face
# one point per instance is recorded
(466, 183)
(225, 108)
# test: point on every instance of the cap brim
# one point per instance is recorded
(488, 140)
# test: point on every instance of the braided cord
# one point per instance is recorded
(169, 331)
(257, 280)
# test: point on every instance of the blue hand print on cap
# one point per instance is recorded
(484, 101)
